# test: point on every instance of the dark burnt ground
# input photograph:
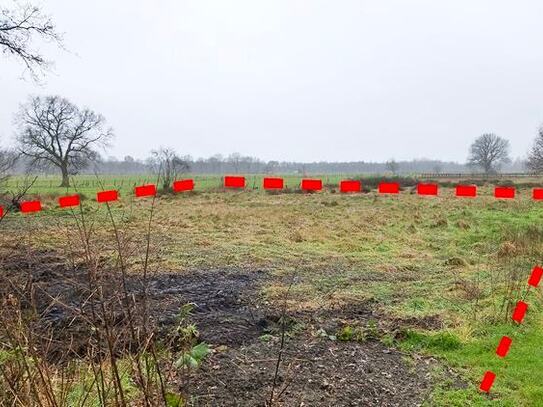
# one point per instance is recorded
(226, 302)
(227, 306)
(244, 330)
(314, 372)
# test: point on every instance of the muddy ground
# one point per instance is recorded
(245, 332)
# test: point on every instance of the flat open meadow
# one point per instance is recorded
(89, 184)
(300, 299)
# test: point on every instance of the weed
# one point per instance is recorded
(441, 341)
(349, 333)
(193, 357)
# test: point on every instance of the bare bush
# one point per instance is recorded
(105, 350)
(168, 165)
(8, 158)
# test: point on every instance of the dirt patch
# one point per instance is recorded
(227, 306)
(314, 372)
(244, 330)
(227, 303)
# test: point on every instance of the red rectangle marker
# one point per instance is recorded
(350, 186)
(30, 206)
(107, 196)
(488, 381)
(427, 189)
(520, 311)
(504, 192)
(466, 190)
(1, 212)
(311, 184)
(504, 346)
(535, 278)
(389, 188)
(145, 190)
(537, 193)
(272, 183)
(234, 182)
(69, 200)
(183, 185)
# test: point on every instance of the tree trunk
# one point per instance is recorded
(65, 177)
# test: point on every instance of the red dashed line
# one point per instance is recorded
(145, 190)
(350, 186)
(504, 192)
(107, 196)
(535, 277)
(30, 206)
(504, 346)
(273, 183)
(311, 185)
(518, 316)
(234, 182)
(183, 185)
(427, 189)
(488, 381)
(68, 201)
(466, 190)
(537, 193)
(389, 188)
(277, 183)
(520, 312)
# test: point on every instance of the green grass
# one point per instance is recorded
(519, 374)
(89, 184)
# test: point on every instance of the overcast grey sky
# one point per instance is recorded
(297, 80)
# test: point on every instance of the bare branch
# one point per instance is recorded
(20, 29)
(168, 165)
(8, 158)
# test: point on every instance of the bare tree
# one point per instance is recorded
(168, 165)
(20, 27)
(392, 166)
(8, 159)
(216, 162)
(535, 157)
(235, 160)
(271, 167)
(54, 131)
(488, 152)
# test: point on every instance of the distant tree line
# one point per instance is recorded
(218, 164)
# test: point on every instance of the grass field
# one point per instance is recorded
(436, 277)
(89, 184)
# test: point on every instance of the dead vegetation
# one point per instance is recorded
(76, 328)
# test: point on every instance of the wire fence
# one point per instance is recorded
(476, 175)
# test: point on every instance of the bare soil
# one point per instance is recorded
(244, 330)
